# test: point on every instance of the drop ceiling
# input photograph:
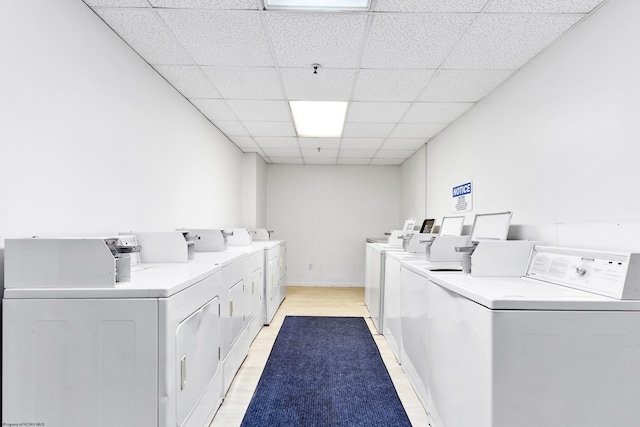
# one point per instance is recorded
(408, 68)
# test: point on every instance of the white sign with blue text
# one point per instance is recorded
(462, 197)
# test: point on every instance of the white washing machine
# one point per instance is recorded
(282, 272)
(392, 321)
(274, 275)
(558, 347)
(445, 241)
(374, 278)
(235, 306)
(81, 348)
(375, 264)
(242, 291)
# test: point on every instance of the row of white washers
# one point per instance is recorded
(160, 349)
(558, 345)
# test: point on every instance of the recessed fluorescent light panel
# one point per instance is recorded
(318, 118)
(318, 4)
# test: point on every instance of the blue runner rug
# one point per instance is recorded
(324, 372)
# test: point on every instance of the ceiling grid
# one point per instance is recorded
(407, 68)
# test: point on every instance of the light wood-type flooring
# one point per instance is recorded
(311, 301)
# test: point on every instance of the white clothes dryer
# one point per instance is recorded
(145, 352)
(275, 286)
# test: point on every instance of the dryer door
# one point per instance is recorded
(197, 343)
(237, 302)
(274, 271)
(257, 289)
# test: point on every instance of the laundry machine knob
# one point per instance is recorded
(581, 271)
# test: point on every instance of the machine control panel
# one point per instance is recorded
(614, 274)
(72, 262)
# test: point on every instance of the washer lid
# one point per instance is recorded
(493, 226)
(426, 268)
(527, 294)
(384, 247)
(406, 256)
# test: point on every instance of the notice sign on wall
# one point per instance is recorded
(463, 197)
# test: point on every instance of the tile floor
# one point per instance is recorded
(311, 301)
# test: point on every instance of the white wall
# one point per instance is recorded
(413, 188)
(261, 193)
(325, 213)
(93, 141)
(558, 142)
(254, 189)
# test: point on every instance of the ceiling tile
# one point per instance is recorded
(390, 85)
(314, 153)
(189, 80)
(412, 130)
(403, 144)
(389, 76)
(277, 111)
(214, 109)
(320, 160)
(463, 85)
(282, 152)
(387, 162)
(224, 37)
(413, 41)
(319, 142)
(231, 128)
(117, 3)
(377, 112)
(435, 112)
(394, 154)
(146, 34)
(537, 6)
(368, 154)
(207, 4)
(329, 84)
(277, 141)
(458, 6)
(246, 82)
(507, 41)
(287, 160)
(270, 128)
(353, 161)
(329, 39)
(367, 130)
(361, 143)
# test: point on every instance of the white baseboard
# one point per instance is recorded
(328, 285)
